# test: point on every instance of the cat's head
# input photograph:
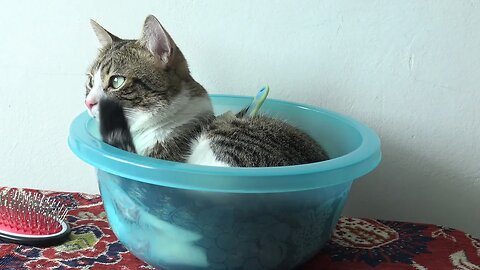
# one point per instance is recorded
(147, 74)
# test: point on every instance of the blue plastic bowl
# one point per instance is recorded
(181, 216)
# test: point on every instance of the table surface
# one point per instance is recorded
(357, 243)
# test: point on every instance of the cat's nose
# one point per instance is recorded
(90, 104)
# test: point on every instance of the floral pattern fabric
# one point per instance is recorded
(356, 244)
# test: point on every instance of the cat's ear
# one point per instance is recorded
(157, 40)
(104, 37)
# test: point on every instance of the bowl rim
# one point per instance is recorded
(95, 152)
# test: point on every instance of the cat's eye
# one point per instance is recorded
(117, 81)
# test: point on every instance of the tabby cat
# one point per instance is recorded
(146, 101)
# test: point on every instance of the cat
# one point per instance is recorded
(146, 101)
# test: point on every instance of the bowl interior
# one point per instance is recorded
(337, 136)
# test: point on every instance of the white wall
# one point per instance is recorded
(409, 69)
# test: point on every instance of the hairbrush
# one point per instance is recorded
(31, 218)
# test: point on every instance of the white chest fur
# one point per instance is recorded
(148, 128)
(147, 131)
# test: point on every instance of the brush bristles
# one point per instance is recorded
(32, 213)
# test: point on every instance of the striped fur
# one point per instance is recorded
(261, 142)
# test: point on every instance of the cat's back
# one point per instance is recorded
(258, 141)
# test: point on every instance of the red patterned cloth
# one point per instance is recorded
(356, 244)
